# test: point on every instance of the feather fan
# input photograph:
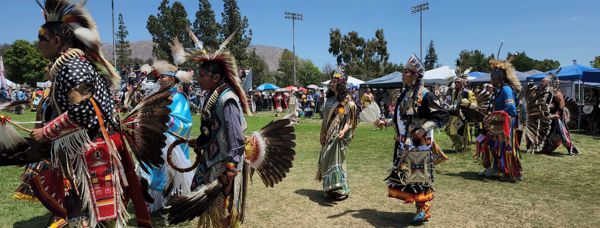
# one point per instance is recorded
(483, 101)
(571, 113)
(11, 142)
(145, 126)
(538, 115)
(270, 151)
(293, 118)
(10, 105)
(371, 114)
(186, 208)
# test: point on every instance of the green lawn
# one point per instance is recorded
(558, 190)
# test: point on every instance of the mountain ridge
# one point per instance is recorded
(143, 50)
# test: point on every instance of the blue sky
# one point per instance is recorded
(553, 29)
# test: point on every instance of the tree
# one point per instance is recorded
(205, 25)
(3, 48)
(375, 56)
(137, 60)
(522, 62)
(597, 62)
(122, 46)
(430, 57)
(475, 59)
(149, 61)
(170, 22)
(393, 67)
(232, 20)
(359, 57)
(260, 69)
(308, 73)
(286, 67)
(546, 65)
(24, 62)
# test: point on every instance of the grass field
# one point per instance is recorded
(558, 190)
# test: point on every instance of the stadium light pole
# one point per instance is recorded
(114, 39)
(294, 17)
(419, 9)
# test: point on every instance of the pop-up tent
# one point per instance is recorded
(569, 73)
(591, 76)
(352, 82)
(521, 75)
(393, 80)
(477, 74)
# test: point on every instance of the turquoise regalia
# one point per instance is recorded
(180, 123)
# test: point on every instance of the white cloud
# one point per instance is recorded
(573, 18)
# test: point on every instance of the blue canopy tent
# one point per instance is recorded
(477, 74)
(591, 76)
(393, 80)
(522, 76)
(568, 73)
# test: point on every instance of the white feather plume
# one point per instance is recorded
(177, 51)
(370, 114)
(146, 68)
(90, 38)
(184, 76)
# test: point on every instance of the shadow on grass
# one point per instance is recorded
(316, 196)
(472, 176)
(380, 218)
(553, 154)
(38, 221)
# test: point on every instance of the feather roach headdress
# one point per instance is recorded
(221, 59)
(84, 29)
(504, 67)
(551, 77)
(459, 74)
(163, 67)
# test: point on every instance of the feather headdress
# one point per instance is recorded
(222, 57)
(551, 77)
(459, 74)
(84, 29)
(506, 67)
(146, 69)
(163, 67)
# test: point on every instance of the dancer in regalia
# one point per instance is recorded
(497, 147)
(180, 123)
(337, 130)
(278, 103)
(92, 175)
(418, 113)
(309, 105)
(224, 159)
(459, 129)
(559, 129)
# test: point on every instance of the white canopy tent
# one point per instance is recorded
(438, 76)
(10, 83)
(352, 82)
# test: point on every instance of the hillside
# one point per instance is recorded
(140, 49)
(143, 50)
(270, 54)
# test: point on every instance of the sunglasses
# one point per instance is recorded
(43, 38)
